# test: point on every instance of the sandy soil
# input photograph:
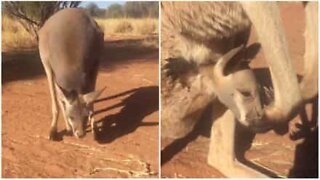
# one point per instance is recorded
(127, 116)
(273, 153)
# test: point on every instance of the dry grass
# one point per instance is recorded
(130, 26)
(14, 35)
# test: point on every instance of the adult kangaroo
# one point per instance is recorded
(70, 43)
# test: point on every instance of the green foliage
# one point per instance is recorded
(133, 9)
(141, 9)
(93, 9)
(114, 11)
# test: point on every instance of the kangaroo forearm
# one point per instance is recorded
(309, 83)
(266, 20)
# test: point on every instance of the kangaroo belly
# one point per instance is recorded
(72, 43)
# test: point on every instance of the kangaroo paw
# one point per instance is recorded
(53, 134)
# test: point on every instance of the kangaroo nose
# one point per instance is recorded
(258, 116)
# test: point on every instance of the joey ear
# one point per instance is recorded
(246, 56)
(252, 51)
(92, 96)
(221, 65)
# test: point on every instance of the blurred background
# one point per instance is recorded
(21, 20)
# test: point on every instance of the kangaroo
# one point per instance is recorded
(183, 101)
(198, 35)
(70, 43)
(213, 54)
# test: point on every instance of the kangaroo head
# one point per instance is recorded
(238, 90)
(77, 109)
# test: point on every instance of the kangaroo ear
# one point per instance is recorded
(221, 65)
(92, 96)
(252, 51)
(68, 96)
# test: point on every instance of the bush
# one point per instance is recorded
(14, 35)
(142, 26)
(123, 26)
(147, 26)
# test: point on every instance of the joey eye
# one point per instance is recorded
(63, 104)
(245, 93)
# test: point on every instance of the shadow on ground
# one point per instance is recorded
(21, 65)
(119, 52)
(203, 127)
(142, 102)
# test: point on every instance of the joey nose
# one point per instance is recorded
(260, 125)
(79, 134)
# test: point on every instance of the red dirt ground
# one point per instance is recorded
(276, 153)
(127, 116)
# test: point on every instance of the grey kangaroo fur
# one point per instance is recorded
(70, 44)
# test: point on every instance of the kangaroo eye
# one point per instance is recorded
(63, 104)
(245, 93)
